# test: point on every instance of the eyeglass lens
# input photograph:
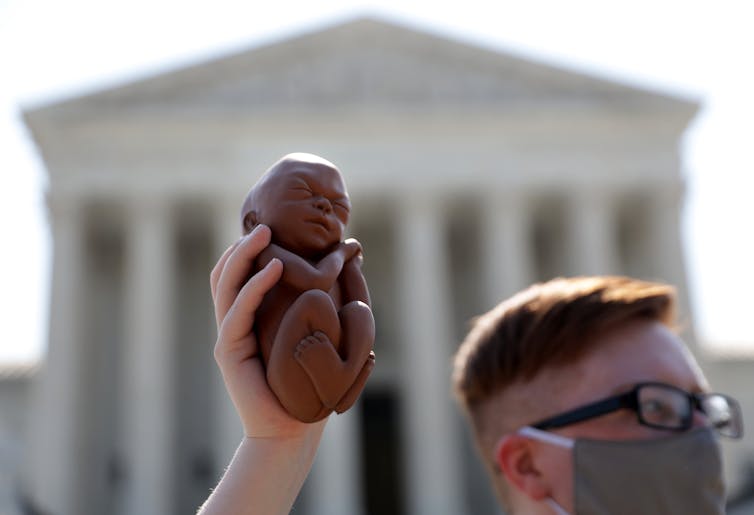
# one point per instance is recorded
(667, 407)
(723, 414)
(664, 407)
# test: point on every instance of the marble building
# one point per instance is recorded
(472, 174)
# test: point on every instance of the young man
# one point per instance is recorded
(582, 399)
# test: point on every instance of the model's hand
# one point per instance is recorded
(236, 298)
(351, 249)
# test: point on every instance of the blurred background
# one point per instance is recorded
(484, 148)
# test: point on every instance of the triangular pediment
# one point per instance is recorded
(366, 63)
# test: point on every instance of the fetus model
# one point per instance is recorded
(315, 327)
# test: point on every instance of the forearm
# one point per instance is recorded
(352, 282)
(302, 275)
(265, 476)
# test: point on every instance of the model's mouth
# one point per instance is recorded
(321, 223)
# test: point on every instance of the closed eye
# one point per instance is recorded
(302, 191)
(342, 205)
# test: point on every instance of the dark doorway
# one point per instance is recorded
(381, 451)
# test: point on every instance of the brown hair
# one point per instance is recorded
(550, 325)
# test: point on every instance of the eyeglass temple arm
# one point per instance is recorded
(596, 409)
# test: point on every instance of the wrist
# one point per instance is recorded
(296, 450)
(291, 433)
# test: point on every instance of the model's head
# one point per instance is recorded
(303, 199)
(555, 347)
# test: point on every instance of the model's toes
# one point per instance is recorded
(321, 337)
(304, 345)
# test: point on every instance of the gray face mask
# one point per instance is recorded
(675, 475)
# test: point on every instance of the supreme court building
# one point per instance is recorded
(472, 173)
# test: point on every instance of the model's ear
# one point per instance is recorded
(516, 457)
(249, 221)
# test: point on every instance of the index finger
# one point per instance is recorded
(214, 276)
(238, 267)
(239, 320)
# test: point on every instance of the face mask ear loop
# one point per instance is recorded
(544, 436)
(556, 507)
(534, 434)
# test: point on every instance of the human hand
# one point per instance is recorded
(237, 352)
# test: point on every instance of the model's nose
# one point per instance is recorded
(323, 204)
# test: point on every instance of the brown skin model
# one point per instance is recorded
(315, 326)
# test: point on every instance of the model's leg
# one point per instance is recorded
(332, 371)
(311, 312)
(355, 390)
(357, 333)
(357, 339)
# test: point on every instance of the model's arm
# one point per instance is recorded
(301, 274)
(352, 283)
(277, 452)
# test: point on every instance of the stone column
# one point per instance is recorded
(148, 358)
(336, 476)
(508, 259)
(665, 235)
(227, 428)
(54, 447)
(430, 431)
(664, 226)
(592, 242)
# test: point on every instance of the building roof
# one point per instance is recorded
(367, 62)
(15, 371)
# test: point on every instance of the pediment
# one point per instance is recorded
(361, 64)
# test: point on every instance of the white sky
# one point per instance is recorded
(699, 50)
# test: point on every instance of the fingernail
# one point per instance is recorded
(255, 230)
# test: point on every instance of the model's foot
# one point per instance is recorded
(315, 353)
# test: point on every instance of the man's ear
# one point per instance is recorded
(249, 221)
(516, 457)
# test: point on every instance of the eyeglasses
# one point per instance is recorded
(661, 406)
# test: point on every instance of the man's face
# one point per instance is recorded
(306, 207)
(641, 352)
